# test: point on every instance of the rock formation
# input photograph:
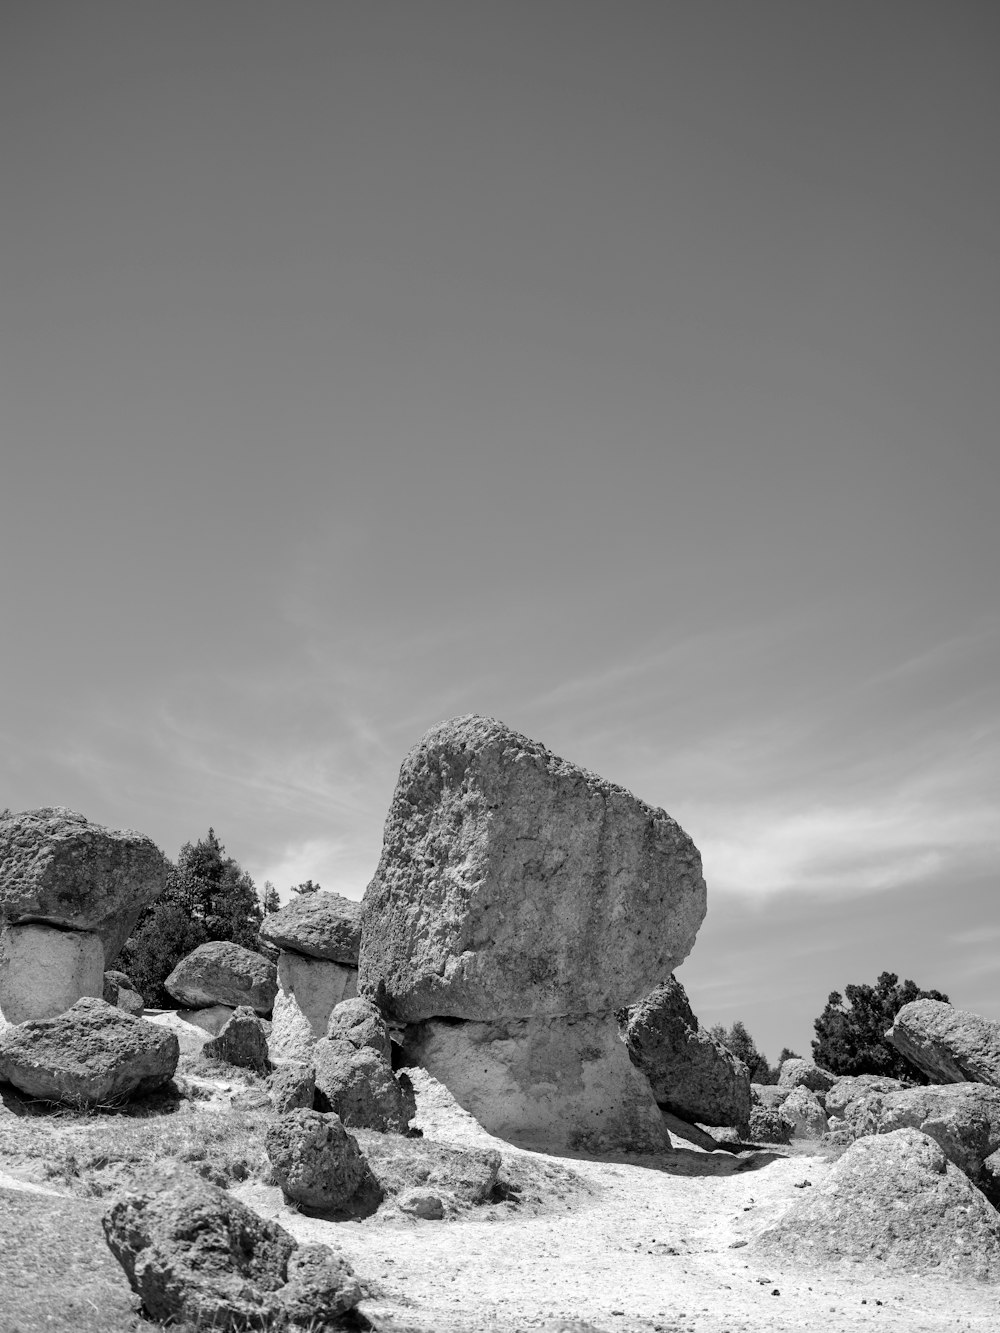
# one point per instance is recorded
(320, 925)
(44, 970)
(119, 990)
(692, 1075)
(949, 1045)
(799, 1073)
(316, 1162)
(358, 1084)
(59, 869)
(529, 899)
(241, 1042)
(803, 1111)
(221, 972)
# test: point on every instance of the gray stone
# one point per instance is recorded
(896, 1200)
(59, 869)
(44, 970)
(768, 1094)
(691, 1074)
(292, 1087)
(319, 925)
(316, 1162)
(241, 1042)
(361, 1088)
(799, 1073)
(92, 1054)
(545, 1082)
(421, 1203)
(515, 884)
(802, 1109)
(851, 1087)
(360, 1023)
(768, 1125)
(211, 1019)
(949, 1045)
(119, 989)
(221, 972)
(400, 1163)
(194, 1253)
(309, 989)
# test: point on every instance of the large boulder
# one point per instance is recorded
(799, 1073)
(359, 1085)
(692, 1075)
(515, 884)
(803, 1111)
(893, 1199)
(44, 970)
(221, 972)
(241, 1042)
(852, 1087)
(90, 1055)
(949, 1045)
(319, 925)
(316, 1162)
(59, 869)
(308, 991)
(194, 1253)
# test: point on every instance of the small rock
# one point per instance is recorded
(359, 1022)
(292, 1087)
(241, 1042)
(421, 1203)
(315, 1160)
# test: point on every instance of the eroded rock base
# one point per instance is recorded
(309, 989)
(44, 970)
(546, 1083)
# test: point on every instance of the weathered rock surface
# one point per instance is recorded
(803, 1111)
(691, 1074)
(768, 1125)
(44, 970)
(799, 1073)
(359, 1085)
(292, 1087)
(241, 1042)
(316, 1162)
(360, 1023)
(546, 1082)
(119, 990)
(221, 972)
(93, 1053)
(768, 1094)
(192, 1252)
(466, 1175)
(851, 1087)
(319, 925)
(507, 873)
(949, 1045)
(58, 868)
(309, 989)
(211, 1019)
(892, 1199)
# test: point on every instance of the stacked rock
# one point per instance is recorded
(519, 902)
(219, 977)
(318, 936)
(71, 892)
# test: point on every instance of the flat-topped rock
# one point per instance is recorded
(221, 972)
(515, 884)
(58, 868)
(320, 925)
(949, 1045)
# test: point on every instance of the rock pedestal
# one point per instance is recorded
(309, 989)
(43, 971)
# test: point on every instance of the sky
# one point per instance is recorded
(628, 372)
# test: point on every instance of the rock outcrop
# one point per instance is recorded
(949, 1045)
(221, 972)
(319, 925)
(44, 970)
(193, 1253)
(530, 899)
(692, 1075)
(59, 869)
(893, 1199)
(90, 1055)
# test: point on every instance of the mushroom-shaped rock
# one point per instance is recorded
(949, 1045)
(895, 1199)
(221, 972)
(319, 925)
(515, 884)
(692, 1075)
(58, 868)
(91, 1054)
(44, 970)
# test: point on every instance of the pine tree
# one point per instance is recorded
(850, 1036)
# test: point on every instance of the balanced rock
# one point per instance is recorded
(241, 1042)
(892, 1199)
(316, 1162)
(308, 991)
(92, 1054)
(515, 884)
(44, 970)
(59, 869)
(692, 1075)
(120, 990)
(799, 1073)
(319, 925)
(193, 1253)
(359, 1085)
(360, 1023)
(221, 972)
(949, 1045)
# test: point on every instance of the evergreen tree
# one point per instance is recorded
(738, 1040)
(269, 898)
(850, 1036)
(305, 888)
